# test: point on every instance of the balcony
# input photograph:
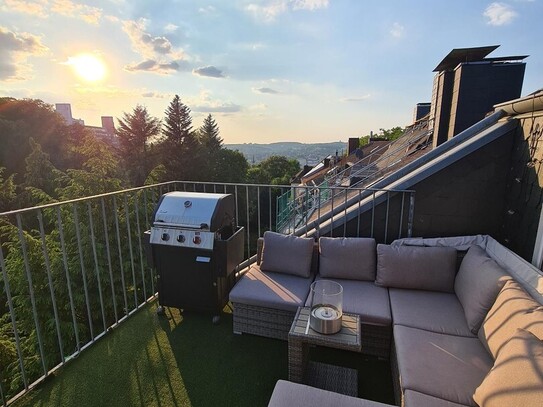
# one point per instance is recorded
(79, 325)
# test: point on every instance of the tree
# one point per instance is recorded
(136, 132)
(40, 173)
(231, 166)
(275, 170)
(179, 148)
(209, 135)
(7, 191)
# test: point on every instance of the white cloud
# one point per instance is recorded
(499, 14)
(159, 55)
(397, 30)
(207, 10)
(43, 8)
(209, 71)
(272, 9)
(356, 98)
(15, 49)
(170, 28)
(265, 90)
(309, 4)
(36, 8)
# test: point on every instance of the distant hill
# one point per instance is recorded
(309, 154)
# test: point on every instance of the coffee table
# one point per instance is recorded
(329, 377)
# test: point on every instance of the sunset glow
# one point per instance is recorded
(88, 67)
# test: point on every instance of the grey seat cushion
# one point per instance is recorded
(477, 285)
(429, 310)
(288, 394)
(365, 299)
(418, 268)
(347, 257)
(416, 399)
(444, 366)
(272, 290)
(287, 254)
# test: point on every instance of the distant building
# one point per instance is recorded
(468, 84)
(65, 110)
(105, 133)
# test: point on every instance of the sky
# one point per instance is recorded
(311, 71)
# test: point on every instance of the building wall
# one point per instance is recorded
(478, 87)
(524, 188)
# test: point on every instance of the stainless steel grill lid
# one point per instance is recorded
(194, 210)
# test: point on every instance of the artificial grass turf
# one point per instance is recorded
(183, 360)
(172, 360)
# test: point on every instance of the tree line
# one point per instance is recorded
(43, 159)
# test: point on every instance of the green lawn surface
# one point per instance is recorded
(184, 360)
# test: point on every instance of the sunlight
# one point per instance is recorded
(88, 67)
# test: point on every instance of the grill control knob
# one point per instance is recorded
(197, 240)
(180, 238)
(165, 237)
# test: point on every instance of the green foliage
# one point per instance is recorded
(275, 170)
(231, 166)
(136, 132)
(23, 119)
(208, 135)
(178, 150)
(7, 191)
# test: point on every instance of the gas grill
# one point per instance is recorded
(195, 246)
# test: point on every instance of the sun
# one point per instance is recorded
(88, 67)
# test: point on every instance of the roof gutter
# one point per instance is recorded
(526, 104)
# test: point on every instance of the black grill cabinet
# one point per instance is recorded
(195, 246)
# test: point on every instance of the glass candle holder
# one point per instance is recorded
(326, 306)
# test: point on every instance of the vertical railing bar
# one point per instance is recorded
(2, 396)
(109, 265)
(306, 209)
(68, 279)
(401, 216)
(248, 226)
(386, 216)
(151, 271)
(129, 232)
(258, 208)
(372, 213)
(7, 289)
(123, 283)
(319, 210)
(82, 265)
(96, 265)
(31, 290)
(411, 214)
(204, 185)
(345, 215)
(358, 221)
(215, 188)
(224, 188)
(332, 215)
(270, 208)
(51, 287)
(142, 266)
(145, 205)
(236, 197)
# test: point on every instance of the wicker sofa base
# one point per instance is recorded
(376, 340)
(262, 321)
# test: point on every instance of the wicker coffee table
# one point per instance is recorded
(300, 369)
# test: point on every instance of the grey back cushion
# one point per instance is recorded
(287, 254)
(351, 258)
(416, 267)
(477, 285)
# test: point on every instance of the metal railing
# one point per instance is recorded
(72, 271)
(366, 170)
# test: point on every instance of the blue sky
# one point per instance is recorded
(269, 70)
